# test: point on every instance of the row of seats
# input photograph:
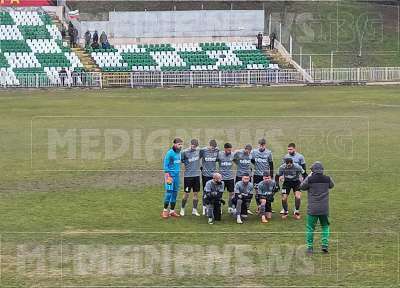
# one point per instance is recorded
(182, 56)
(37, 60)
(10, 32)
(43, 46)
(31, 43)
(14, 32)
(22, 17)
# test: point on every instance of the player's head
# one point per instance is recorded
(288, 162)
(247, 148)
(194, 143)
(212, 144)
(262, 144)
(246, 178)
(228, 148)
(178, 142)
(217, 178)
(266, 176)
(291, 148)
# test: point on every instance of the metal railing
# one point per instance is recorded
(35, 80)
(364, 74)
(201, 78)
(215, 78)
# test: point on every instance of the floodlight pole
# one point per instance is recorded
(331, 65)
(301, 56)
(270, 25)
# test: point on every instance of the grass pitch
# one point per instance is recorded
(85, 217)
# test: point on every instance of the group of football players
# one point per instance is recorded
(245, 173)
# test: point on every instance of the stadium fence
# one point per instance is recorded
(32, 80)
(364, 74)
(206, 78)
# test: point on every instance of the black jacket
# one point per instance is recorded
(317, 186)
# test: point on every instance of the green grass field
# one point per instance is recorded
(80, 216)
(359, 33)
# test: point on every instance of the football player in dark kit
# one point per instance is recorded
(291, 175)
(213, 197)
(262, 161)
(243, 196)
(225, 160)
(191, 181)
(208, 158)
(265, 192)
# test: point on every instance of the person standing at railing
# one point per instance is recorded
(76, 37)
(71, 34)
(88, 38)
(103, 39)
(272, 38)
(259, 41)
(95, 37)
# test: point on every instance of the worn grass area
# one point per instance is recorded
(84, 228)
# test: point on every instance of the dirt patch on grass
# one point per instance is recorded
(96, 180)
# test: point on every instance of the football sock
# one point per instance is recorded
(195, 203)
(183, 203)
(284, 205)
(297, 202)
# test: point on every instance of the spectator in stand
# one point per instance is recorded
(272, 38)
(106, 45)
(76, 37)
(71, 34)
(63, 32)
(70, 27)
(259, 41)
(88, 38)
(95, 45)
(103, 38)
(95, 37)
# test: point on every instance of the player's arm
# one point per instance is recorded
(237, 190)
(302, 172)
(183, 157)
(167, 161)
(207, 189)
(251, 188)
(235, 157)
(304, 185)
(278, 175)
(201, 153)
(275, 188)
(304, 169)
(331, 183)
(303, 165)
(271, 167)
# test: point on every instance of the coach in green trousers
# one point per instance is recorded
(317, 186)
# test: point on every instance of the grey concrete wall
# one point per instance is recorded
(161, 24)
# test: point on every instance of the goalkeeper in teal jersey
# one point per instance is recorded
(172, 169)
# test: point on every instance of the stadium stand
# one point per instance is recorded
(228, 56)
(31, 43)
